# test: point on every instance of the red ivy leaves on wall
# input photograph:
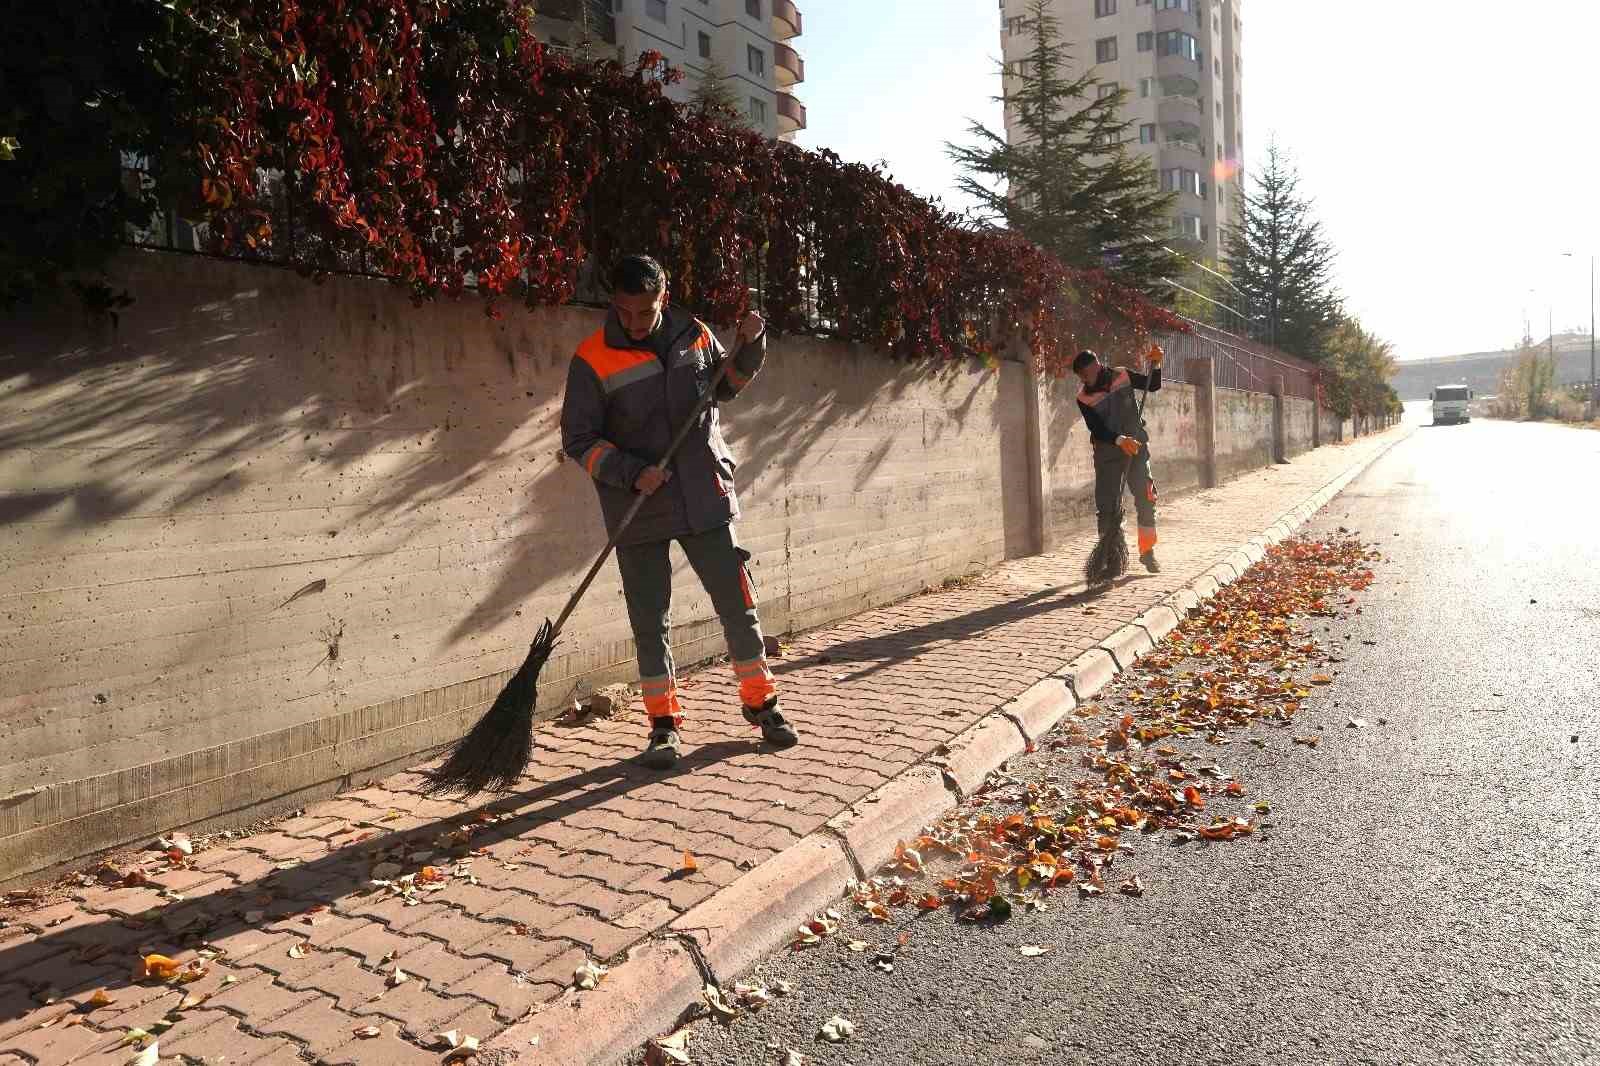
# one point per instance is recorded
(437, 140)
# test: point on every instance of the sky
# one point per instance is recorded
(1450, 149)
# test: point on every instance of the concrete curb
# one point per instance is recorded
(648, 992)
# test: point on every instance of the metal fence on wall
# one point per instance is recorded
(1237, 362)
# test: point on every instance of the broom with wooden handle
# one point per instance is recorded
(495, 753)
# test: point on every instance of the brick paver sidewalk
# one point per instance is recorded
(587, 859)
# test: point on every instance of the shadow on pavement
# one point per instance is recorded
(100, 950)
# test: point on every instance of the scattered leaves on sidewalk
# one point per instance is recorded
(837, 1030)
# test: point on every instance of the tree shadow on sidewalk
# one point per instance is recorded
(100, 950)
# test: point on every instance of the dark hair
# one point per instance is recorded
(1083, 359)
(638, 275)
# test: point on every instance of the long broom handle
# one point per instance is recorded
(633, 509)
(1127, 468)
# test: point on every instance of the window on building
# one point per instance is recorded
(758, 109)
(1147, 86)
(656, 9)
(755, 59)
(1219, 109)
(1016, 25)
(1102, 8)
(1105, 50)
(1216, 66)
(1147, 133)
(705, 46)
(1146, 41)
(1177, 43)
(1106, 88)
(752, 8)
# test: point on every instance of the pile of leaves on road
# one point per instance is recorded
(1245, 658)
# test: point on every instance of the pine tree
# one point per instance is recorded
(712, 96)
(1070, 184)
(1281, 261)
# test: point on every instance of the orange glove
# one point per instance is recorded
(1155, 356)
(1128, 445)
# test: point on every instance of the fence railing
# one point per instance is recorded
(1237, 362)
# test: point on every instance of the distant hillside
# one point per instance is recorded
(1415, 379)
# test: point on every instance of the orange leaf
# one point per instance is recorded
(1234, 789)
(1106, 843)
(159, 967)
(1321, 679)
(1192, 797)
(930, 902)
(689, 865)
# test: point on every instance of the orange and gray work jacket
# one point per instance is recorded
(625, 401)
(1111, 407)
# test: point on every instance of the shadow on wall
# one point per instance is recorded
(259, 502)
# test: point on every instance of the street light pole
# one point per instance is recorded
(1593, 395)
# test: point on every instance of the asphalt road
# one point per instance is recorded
(1429, 891)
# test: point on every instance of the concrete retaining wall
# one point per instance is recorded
(1300, 425)
(264, 538)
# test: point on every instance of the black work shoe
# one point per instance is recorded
(774, 729)
(1149, 561)
(664, 748)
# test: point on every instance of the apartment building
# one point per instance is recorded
(1181, 61)
(749, 41)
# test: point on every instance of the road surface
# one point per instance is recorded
(1430, 890)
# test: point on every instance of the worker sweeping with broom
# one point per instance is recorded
(1115, 418)
(640, 414)
(630, 387)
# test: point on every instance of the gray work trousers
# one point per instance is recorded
(1109, 464)
(723, 569)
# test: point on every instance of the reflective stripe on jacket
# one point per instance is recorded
(1111, 407)
(623, 404)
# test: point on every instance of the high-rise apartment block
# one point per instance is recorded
(1181, 62)
(748, 41)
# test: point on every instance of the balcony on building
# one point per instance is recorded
(1182, 136)
(786, 21)
(791, 114)
(788, 67)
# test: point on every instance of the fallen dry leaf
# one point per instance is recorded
(836, 1030)
(793, 1058)
(1133, 886)
(857, 945)
(669, 1050)
(589, 975)
(397, 977)
(99, 999)
(689, 865)
(783, 988)
(299, 951)
(159, 967)
(1321, 679)
(367, 1032)
(719, 1005)
(134, 1036)
(449, 1038)
(1308, 741)
(149, 1056)
(467, 1049)
(1033, 950)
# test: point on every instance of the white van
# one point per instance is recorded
(1452, 403)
